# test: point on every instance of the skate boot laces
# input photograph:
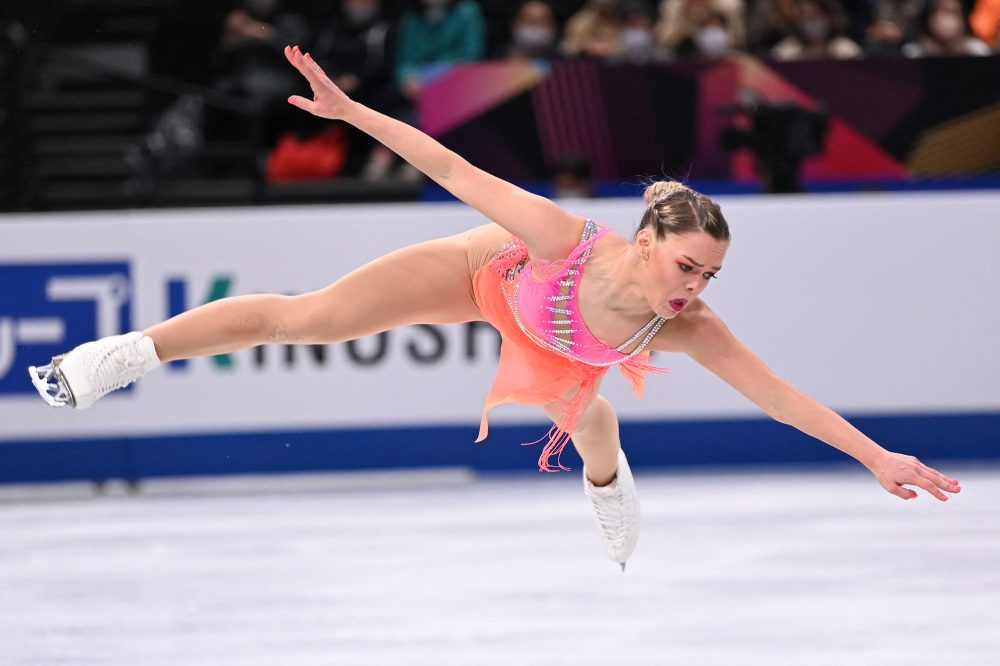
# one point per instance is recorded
(115, 366)
(614, 512)
(93, 370)
(616, 508)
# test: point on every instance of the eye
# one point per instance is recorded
(709, 276)
(685, 268)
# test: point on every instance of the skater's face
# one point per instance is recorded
(674, 270)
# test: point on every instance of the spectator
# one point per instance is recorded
(595, 30)
(637, 37)
(443, 33)
(713, 39)
(943, 31)
(681, 20)
(253, 36)
(767, 23)
(885, 36)
(532, 33)
(572, 178)
(985, 22)
(904, 12)
(252, 65)
(357, 50)
(817, 32)
(891, 24)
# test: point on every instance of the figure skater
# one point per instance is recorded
(560, 289)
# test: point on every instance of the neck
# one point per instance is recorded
(618, 287)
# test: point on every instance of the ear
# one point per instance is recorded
(644, 240)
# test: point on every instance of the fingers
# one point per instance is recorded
(295, 57)
(306, 65)
(901, 492)
(929, 486)
(313, 73)
(303, 103)
(952, 482)
(928, 479)
(938, 479)
(903, 469)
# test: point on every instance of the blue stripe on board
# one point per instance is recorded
(649, 444)
(724, 186)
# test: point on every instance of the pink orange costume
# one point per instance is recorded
(547, 349)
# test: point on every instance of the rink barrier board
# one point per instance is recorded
(872, 274)
(649, 444)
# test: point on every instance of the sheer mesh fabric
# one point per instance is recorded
(548, 352)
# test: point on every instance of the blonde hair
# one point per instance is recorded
(674, 208)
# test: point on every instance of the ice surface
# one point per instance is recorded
(737, 567)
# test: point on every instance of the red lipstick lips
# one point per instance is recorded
(678, 304)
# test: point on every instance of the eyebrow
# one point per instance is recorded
(718, 268)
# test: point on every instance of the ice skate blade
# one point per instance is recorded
(50, 384)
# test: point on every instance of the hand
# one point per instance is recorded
(893, 470)
(328, 100)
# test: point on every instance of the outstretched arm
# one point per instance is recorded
(548, 230)
(709, 342)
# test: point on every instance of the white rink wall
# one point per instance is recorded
(875, 304)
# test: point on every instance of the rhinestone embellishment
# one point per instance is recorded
(560, 336)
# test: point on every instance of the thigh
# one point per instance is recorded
(554, 409)
(426, 283)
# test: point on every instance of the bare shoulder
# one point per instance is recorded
(695, 331)
(558, 240)
(549, 231)
(485, 239)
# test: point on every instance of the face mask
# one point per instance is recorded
(637, 40)
(533, 36)
(712, 40)
(815, 28)
(360, 14)
(945, 25)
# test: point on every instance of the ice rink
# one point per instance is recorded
(742, 566)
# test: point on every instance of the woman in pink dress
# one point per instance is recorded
(560, 289)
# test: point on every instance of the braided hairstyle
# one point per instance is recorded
(674, 208)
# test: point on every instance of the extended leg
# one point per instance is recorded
(607, 479)
(427, 283)
(430, 283)
(596, 439)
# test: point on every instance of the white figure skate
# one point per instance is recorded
(616, 506)
(80, 377)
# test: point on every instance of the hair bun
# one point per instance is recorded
(662, 189)
(674, 208)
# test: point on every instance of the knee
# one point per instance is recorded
(256, 317)
(275, 319)
(302, 320)
(599, 414)
(315, 318)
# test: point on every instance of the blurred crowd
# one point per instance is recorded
(384, 52)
